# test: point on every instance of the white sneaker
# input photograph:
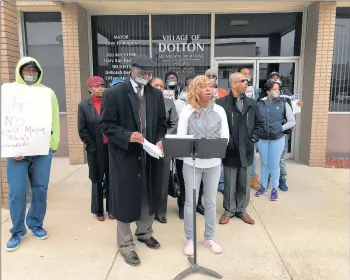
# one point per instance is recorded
(189, 249)
(214, 247)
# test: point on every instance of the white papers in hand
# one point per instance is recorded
(151, 149)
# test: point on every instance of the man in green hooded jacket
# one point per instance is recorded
(34, 170)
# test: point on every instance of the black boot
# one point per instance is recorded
(200, 207)
(181, 213)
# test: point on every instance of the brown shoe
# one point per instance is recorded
(255, 182)
(224, 220)
(246, 218)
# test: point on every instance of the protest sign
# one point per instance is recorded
(216, 93)
(170, 94)
(296, 108)
(294, 100)
(26, 119)
(250, 92)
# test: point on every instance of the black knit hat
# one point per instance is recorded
(169, 74)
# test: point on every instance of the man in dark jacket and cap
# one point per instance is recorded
(131, 112)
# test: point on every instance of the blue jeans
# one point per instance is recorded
(270, 155)
(36, 170)
(221, 181)
(283, 167)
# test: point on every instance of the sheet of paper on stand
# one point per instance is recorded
(175, 136)
(152, 149)
(169, 94)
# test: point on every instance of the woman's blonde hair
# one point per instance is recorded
(194, 90)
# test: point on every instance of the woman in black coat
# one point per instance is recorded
(171, 123)
(96, 146)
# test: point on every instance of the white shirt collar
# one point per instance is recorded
(135, 86)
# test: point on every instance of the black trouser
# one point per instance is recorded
(163, 203)
(181, 198)
(98, 186)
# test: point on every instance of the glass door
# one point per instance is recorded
(227, 67)
(287, 70)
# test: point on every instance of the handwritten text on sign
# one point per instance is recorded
(26, 118)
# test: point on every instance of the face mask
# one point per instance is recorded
(30, 79)
(213, 81)
(141, 81)
(172, 84)
(275, 94)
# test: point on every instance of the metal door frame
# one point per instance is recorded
(217, 63)
(256, 63)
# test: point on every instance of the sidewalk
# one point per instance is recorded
(305, 235)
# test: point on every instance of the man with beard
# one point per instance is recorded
(242, 114)
(131, 113)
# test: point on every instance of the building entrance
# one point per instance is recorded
(260, 70)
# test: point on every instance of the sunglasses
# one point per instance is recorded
(211, 76)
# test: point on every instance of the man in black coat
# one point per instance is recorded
(132, 112)
(242, 115)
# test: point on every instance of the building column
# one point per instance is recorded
(77, 71)
(317, 82)
(9, 57)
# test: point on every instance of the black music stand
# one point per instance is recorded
(195, 148)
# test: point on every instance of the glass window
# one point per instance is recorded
(115, 41)
(181, 43)
(340, 83)
(43, 36)
(258, 35)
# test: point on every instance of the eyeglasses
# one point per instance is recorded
(211, 76)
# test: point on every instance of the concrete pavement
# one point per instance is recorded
(305, 235)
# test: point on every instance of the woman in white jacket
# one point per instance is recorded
(181, 103)
(202, 118)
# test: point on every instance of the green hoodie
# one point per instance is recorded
(55, 128)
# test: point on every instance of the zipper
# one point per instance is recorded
(232, 118)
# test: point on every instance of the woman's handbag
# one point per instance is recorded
(174, 185)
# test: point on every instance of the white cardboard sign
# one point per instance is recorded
(26, 120)
(170, 94)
